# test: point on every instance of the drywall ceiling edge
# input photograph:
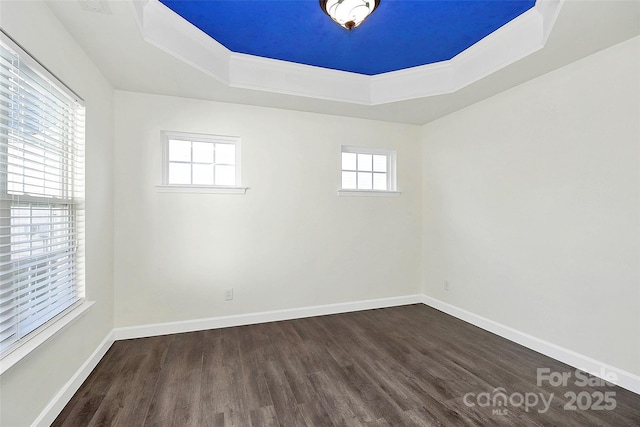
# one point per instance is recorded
(519, 38)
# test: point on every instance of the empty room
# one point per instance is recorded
(319, 213)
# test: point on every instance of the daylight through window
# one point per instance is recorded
(41, 192)
(201, 160)
(367, 169)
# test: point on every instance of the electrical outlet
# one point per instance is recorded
(446, 285)
(228, 294)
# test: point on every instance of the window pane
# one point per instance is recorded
(42, 229)
(179, 173)
(179, 151)
(202, 153)
(225, 175)
(203, 174)
(364, 162)
(379, 181)
(226, 154)
(349, 180)
(379, 163)
(349, 162)
(364, 180)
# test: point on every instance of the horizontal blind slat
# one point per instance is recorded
(12, 279)
(13, 267)
(21, 79)
(46, 312)
(24, 106)
(42, 292)
(38, 307)
(41, 192)
(18, 136)
(21, 108)
(61, 234)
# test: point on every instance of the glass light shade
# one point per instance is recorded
(349, 13)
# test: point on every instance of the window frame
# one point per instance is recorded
(166, 187)
(392, 189)
(31, 335)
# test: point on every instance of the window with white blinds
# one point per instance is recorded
(41, 193)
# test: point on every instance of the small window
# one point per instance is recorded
(197, 161)
(368, 169)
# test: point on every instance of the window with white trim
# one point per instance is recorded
(41, 197)
(368, 169)
(200, 161)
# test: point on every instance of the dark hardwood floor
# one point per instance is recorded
(401, 366)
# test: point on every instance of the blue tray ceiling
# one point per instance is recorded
(399, 34)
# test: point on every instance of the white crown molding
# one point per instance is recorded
(272, 75)
(165, 30)
(549, 9)
(513, 41)
(522, 36)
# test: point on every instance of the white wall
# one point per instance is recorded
(290, 242)
(527, 203)
(26, 388)
(531, 207)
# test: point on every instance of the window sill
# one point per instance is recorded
(201, 189)
(368, 193)
(38, 338)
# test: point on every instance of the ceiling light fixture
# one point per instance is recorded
(349, 13)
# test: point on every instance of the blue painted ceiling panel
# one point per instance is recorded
(399, 34)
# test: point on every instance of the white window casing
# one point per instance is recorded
(201, 163)
(368, 172)
(41, 202)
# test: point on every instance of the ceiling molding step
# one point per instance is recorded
(522, 36)
(549, 10)
(162, 28)
(515, 40)
(272, 75)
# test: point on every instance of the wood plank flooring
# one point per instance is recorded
(401, 366)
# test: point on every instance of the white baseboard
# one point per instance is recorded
(602, 370)
(57, 404)
(261, 317)
(625, 379)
